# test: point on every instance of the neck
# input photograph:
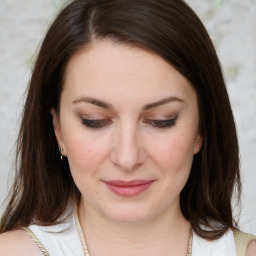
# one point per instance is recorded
(167, 234)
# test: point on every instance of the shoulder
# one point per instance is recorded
(245, 243)
(251, 249)
(17, 242)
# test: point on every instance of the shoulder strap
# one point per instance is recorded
(37, 242)
(242, 240)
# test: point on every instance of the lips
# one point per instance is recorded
(128, 188)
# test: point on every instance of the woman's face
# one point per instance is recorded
(128, 124)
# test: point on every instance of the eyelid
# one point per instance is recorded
(96, 123)
(161, 117)
(156, 122)
(93, 116)
(161, 123)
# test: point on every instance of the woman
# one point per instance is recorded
(127, 143)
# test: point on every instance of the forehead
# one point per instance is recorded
(109, 69)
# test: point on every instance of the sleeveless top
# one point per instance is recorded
(63, 240)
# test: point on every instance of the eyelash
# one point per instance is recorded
(101, 123)
(161, 124)
(96, 124)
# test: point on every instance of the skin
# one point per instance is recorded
(128, 146)
(18, 243)
(251, 250)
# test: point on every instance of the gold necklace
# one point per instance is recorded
(86, 252)
(80, 233)
(190, 240)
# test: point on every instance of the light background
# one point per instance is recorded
(230, 23)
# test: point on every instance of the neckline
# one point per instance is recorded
(85, 249)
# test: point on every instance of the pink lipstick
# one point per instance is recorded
(128, 188)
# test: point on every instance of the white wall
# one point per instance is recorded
(232, 26)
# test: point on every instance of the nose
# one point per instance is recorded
(127, 151)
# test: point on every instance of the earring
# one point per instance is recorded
(61, 156)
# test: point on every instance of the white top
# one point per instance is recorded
(63, 240)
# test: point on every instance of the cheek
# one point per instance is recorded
(174, 162)
(84, 155)
(84, 151)
(174, 150)
(174, 156)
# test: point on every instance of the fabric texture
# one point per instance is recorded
(242, 240)
(63, 240)
(224, 246)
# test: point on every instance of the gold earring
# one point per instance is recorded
(61, 156)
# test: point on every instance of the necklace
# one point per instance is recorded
(80, 233)
(86, 252)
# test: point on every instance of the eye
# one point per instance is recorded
(158, 123)
(96, 123)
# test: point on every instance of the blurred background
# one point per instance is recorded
(232, 27)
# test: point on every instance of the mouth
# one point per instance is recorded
(128, 188)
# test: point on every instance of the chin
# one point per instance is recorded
(130, 215)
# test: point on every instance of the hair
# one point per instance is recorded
(43, 184)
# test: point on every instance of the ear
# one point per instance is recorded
(57, 130)
(198, 143)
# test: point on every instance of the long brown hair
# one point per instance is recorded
(43, 184)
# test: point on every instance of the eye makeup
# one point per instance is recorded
(161, 123)
(155, 123)
(96, 123)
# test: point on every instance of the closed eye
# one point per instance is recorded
(96, 123)
(157, 123)
(162, 124)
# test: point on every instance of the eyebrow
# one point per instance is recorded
(93, 101)
(162, 102)
(103, 104)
